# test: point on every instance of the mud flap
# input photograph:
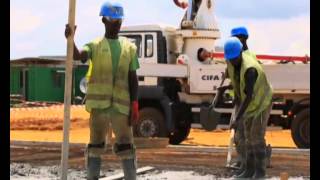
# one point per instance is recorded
(209, 118)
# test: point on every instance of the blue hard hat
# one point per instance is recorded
(232, 48)
(239, 31)
(112, 10)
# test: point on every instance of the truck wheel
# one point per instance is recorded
(300, 129)
(179, 134)
(150, 124)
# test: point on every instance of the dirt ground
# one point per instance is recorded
(45, 124)
(199, 154)
(204, 161)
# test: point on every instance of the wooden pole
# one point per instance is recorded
(284, 176)
(67, 92)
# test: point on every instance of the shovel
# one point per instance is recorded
(209, 116)
(231, 141)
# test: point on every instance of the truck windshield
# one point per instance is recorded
(136, 39)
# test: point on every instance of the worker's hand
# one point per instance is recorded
(68, 30)
(134, 112)
(234, 124)
(223, 88)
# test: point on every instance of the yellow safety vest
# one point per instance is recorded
(104, 90)
(253, 55)
(262, 91)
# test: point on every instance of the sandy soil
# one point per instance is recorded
(45, 124)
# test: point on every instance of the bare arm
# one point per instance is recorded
(133, 86)
(237, 103)
(77, 55)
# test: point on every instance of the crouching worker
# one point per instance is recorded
(254, 94)
(112, 92)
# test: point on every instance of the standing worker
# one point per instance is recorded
(112, 92)
(250, 84)
(242, 34)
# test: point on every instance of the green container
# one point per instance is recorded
(15, 83)
(44, 83)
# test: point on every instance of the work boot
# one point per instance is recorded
(260, 166)
(236, 164)
(239, 164)
(93, 168)
(268, 154)
(240, 170)
(129, 169)
(249, 167)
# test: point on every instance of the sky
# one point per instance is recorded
(275, 27)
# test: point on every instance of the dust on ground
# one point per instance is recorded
(203, 160)
(20, 171)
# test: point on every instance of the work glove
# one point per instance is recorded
(134, 116)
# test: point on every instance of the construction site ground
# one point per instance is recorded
(36, 135)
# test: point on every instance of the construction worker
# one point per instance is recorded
(112, 92)
(242, 34)
(255, 102)
(204, 56)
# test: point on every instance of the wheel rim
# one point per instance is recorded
(148, 128)
(304, 131)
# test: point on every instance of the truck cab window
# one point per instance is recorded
(136, 39)
(148, 46)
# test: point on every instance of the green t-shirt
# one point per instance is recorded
(115, 55)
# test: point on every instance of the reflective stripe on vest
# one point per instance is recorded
(262, 92)
(104, 90)
(108, 97)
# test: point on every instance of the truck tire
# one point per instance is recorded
(150, 124)
(300, 129)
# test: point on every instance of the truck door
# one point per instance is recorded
(150, 56)
(150, 48)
